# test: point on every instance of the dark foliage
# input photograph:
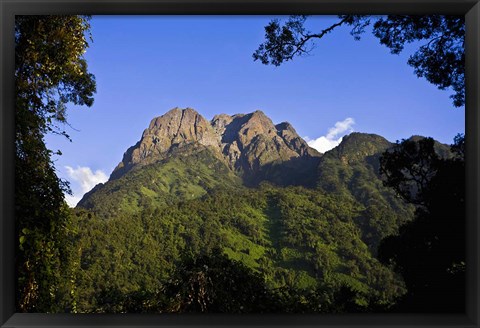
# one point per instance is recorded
(409, 169)
(214, 283)
(429, 252)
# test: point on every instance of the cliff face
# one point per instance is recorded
(245, 142)
(175, 129)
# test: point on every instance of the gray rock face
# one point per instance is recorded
(245, 142)
(219, 123)
(174, 129)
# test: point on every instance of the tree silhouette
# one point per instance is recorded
(440, 59)
(429, 251)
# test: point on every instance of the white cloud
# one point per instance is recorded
(72, 201)
(333, 137)
(82, 180)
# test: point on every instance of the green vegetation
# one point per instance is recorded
(307, 249)
(185, 176)
(50, 71)
(352, 170)
(369, 226)
(299, 240)
(296, 239)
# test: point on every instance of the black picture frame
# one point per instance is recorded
(10, 8)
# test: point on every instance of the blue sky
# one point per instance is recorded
(147, 65)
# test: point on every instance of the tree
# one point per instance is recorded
(50, 71)
(213, 283)
(440, 59)
(429, 252)
(409, 169)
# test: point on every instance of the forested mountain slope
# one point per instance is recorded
(251, 191)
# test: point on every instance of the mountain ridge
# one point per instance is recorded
(251, 146)
(245, 142)
(255, 191)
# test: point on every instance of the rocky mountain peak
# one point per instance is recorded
(219, 123)
(243, 141)
(174, 129)
(286, 131)
(244, 128)
(284, 126)
(179, 126)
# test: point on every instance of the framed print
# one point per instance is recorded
(239, 163)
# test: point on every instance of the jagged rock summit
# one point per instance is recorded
(244, 142)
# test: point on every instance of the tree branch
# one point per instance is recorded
(320, 35)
